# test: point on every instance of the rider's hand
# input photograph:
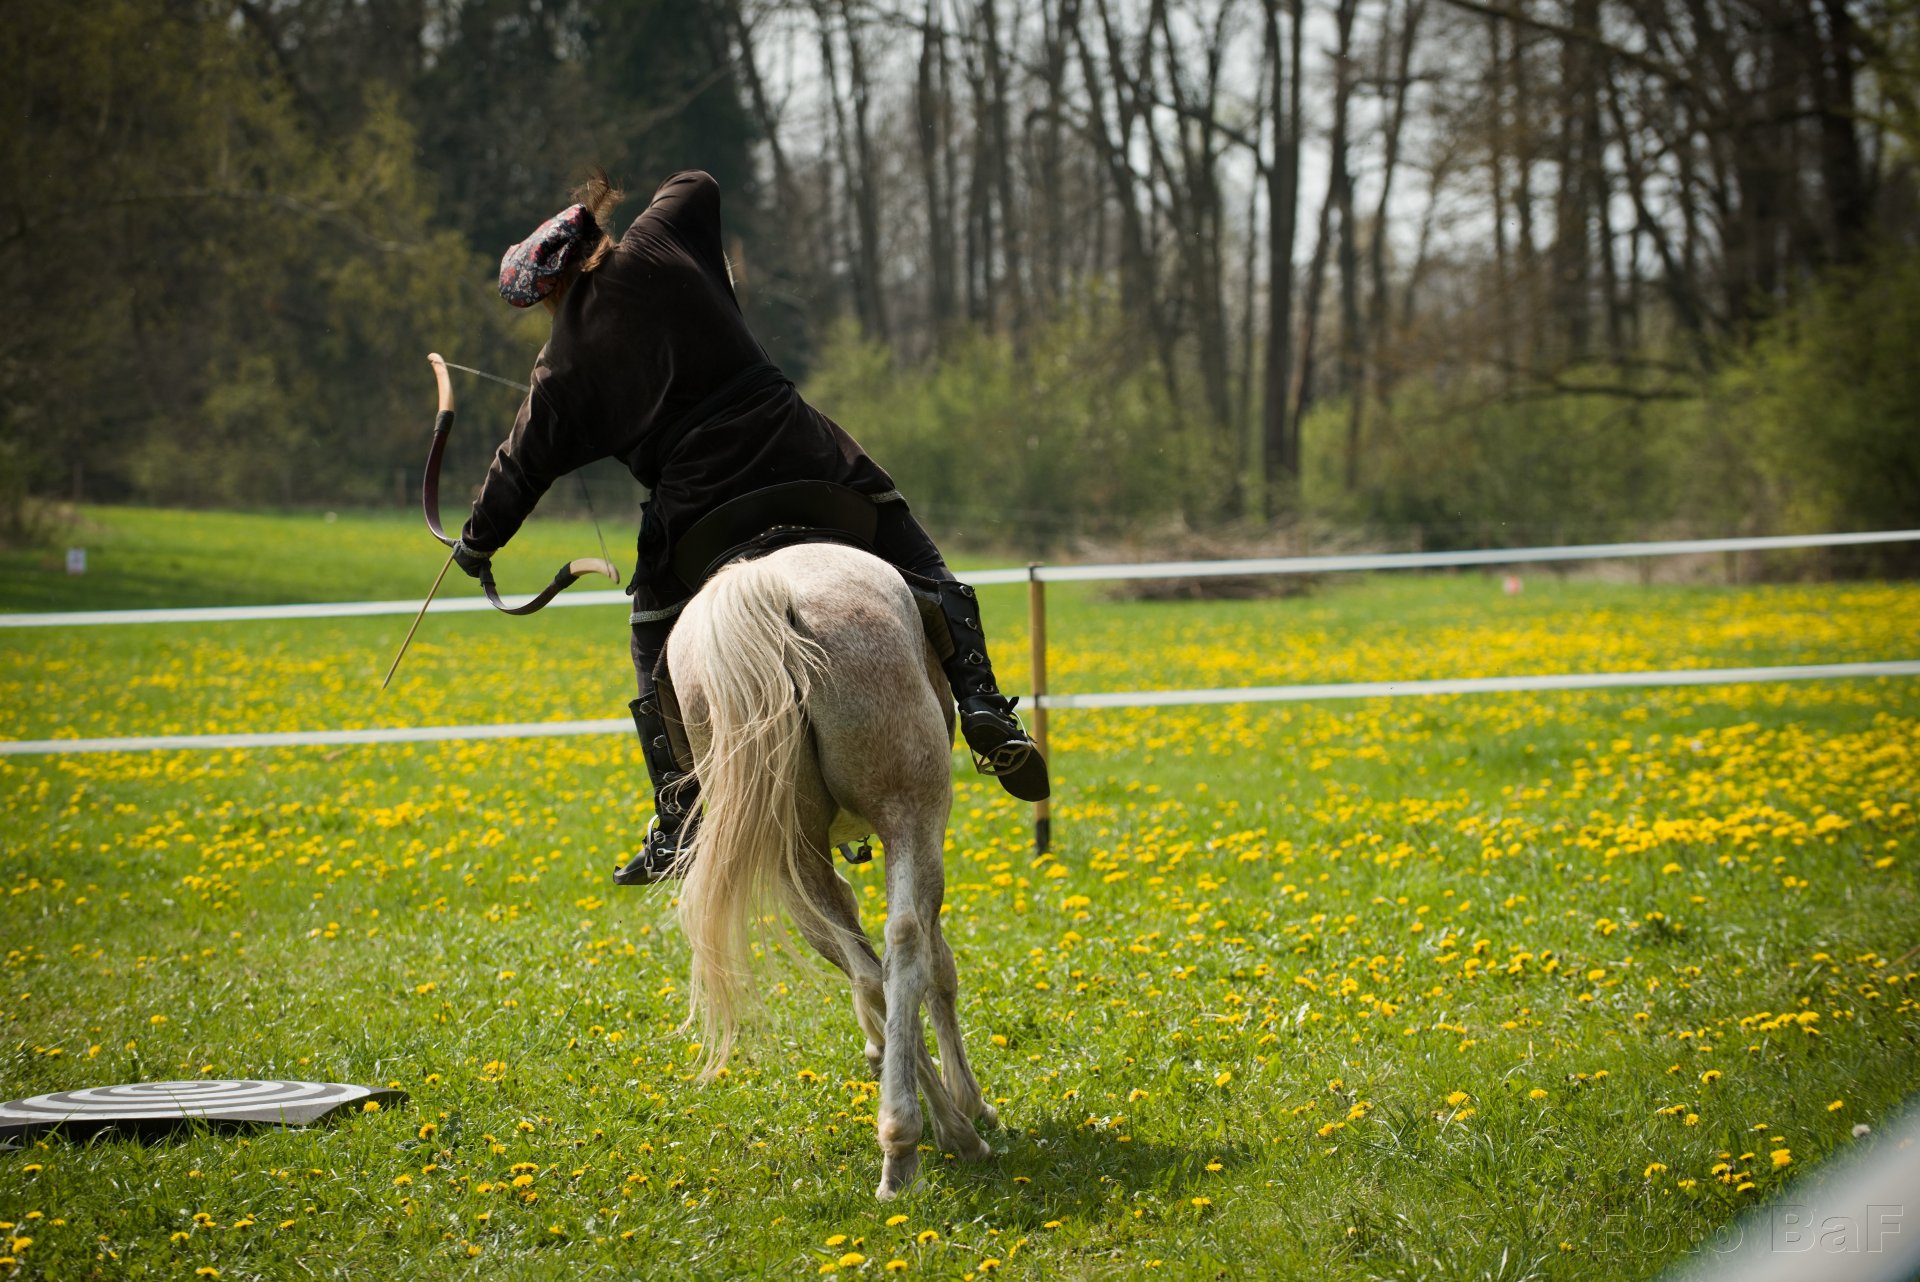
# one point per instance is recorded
(474, 563)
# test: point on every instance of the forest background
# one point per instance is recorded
(1419, 272)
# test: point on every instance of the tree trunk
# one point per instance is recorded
(1059, 17)
(934, 137)
(1843, 170)
(1346, 247)
(839, 228)
(1379, 378)
(1276, 463)
(1571, 257)
(864, 182)
(1011, 223)
(1497, 174)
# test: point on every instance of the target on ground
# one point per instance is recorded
(153, 1108)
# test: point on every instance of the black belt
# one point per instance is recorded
(662, 444)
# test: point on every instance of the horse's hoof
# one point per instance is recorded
(978, 1151)
(989, 1118)
(896, 1175)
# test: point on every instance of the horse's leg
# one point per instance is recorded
(840, 938)
(942, 1006)
(942, 1002)
(843, 941)
(916, 885)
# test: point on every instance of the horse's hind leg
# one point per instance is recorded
(821, 903)
(942, 1005)
(916, 884)
(842, 940)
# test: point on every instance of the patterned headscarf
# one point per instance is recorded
(530, 270)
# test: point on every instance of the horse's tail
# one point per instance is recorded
(756, 671)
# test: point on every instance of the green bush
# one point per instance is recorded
(1463, 467)
(1831, 394)
(1075, 437)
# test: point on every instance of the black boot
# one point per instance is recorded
(676, 796)
(1000, 745)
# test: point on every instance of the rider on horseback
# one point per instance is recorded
(651, 362)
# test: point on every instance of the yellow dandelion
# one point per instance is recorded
(852, 1259)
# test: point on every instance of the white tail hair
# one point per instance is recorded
(756, 671)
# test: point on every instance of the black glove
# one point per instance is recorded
(474, 563)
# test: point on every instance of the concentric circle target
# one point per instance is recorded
(155, 1106)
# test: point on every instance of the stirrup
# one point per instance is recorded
(1016, 761)
(1004, 760)
(658, 858)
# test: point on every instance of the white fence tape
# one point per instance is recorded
(1046, 574)
(316, 738)
(1481, 685)
(1131, 699)
(315, 610)
(1443, 560)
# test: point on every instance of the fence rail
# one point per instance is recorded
(1332, 564)
(1121, 699)
(1036, 577)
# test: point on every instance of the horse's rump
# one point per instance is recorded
(808, 689)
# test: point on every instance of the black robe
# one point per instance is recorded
(644, 352)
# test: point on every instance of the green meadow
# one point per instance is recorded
(1512, 986)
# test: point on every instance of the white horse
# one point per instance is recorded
(816, 709)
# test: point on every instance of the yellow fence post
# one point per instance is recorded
(1037, 653)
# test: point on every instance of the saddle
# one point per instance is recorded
(779, 516)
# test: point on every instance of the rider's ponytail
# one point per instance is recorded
(599, 194)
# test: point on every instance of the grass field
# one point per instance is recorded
(1489, 987)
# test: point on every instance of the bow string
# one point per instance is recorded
(430, 500)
